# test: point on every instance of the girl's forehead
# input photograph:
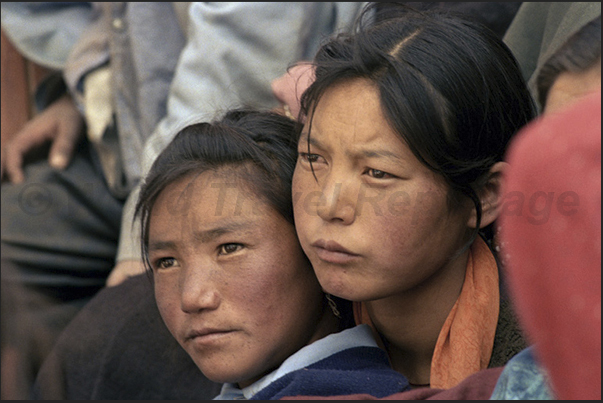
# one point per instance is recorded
(219, 187)
(232, 177)
(210, 203)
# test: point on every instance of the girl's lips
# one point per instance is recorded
(207, 336)
(332, 252)
(205, 332)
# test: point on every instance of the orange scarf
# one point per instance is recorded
(465, 343)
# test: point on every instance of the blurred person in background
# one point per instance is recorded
(135, 71)
(555, 265)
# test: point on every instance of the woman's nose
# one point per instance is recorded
(337, 202)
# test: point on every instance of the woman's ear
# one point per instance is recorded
(490, 196)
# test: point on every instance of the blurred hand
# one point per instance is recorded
(60, 123)
(124, 270)
(289, 87)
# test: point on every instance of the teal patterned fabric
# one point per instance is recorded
(523, 379)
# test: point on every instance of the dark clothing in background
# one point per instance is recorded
(112, 340)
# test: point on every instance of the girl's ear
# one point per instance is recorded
(490, 196)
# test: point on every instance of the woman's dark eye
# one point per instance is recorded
(312, 158)
(229, 248)
(377, 174)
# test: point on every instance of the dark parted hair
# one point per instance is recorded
(579, 53)
(449, 87)
(496, 15)
(259, 145)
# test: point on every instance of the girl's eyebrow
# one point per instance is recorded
(205, 235)
(214, 233)
(161, 245)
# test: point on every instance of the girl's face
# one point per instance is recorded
(375, 221)
(231, 280)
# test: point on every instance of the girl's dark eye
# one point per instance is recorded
(229, 248)
(165, 263)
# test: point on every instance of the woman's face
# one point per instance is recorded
(231, 280)
(375, 222)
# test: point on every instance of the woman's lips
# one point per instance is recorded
(332, 252)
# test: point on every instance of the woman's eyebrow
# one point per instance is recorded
(367, 153)
(380, 153)
(303, 138)
(356, 154)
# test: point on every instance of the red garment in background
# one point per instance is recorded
(552, 245)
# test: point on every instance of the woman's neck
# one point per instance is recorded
(410, 323)
(327, 324)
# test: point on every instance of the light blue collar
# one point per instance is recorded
(358, 336)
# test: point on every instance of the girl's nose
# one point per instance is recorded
(198, 290)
